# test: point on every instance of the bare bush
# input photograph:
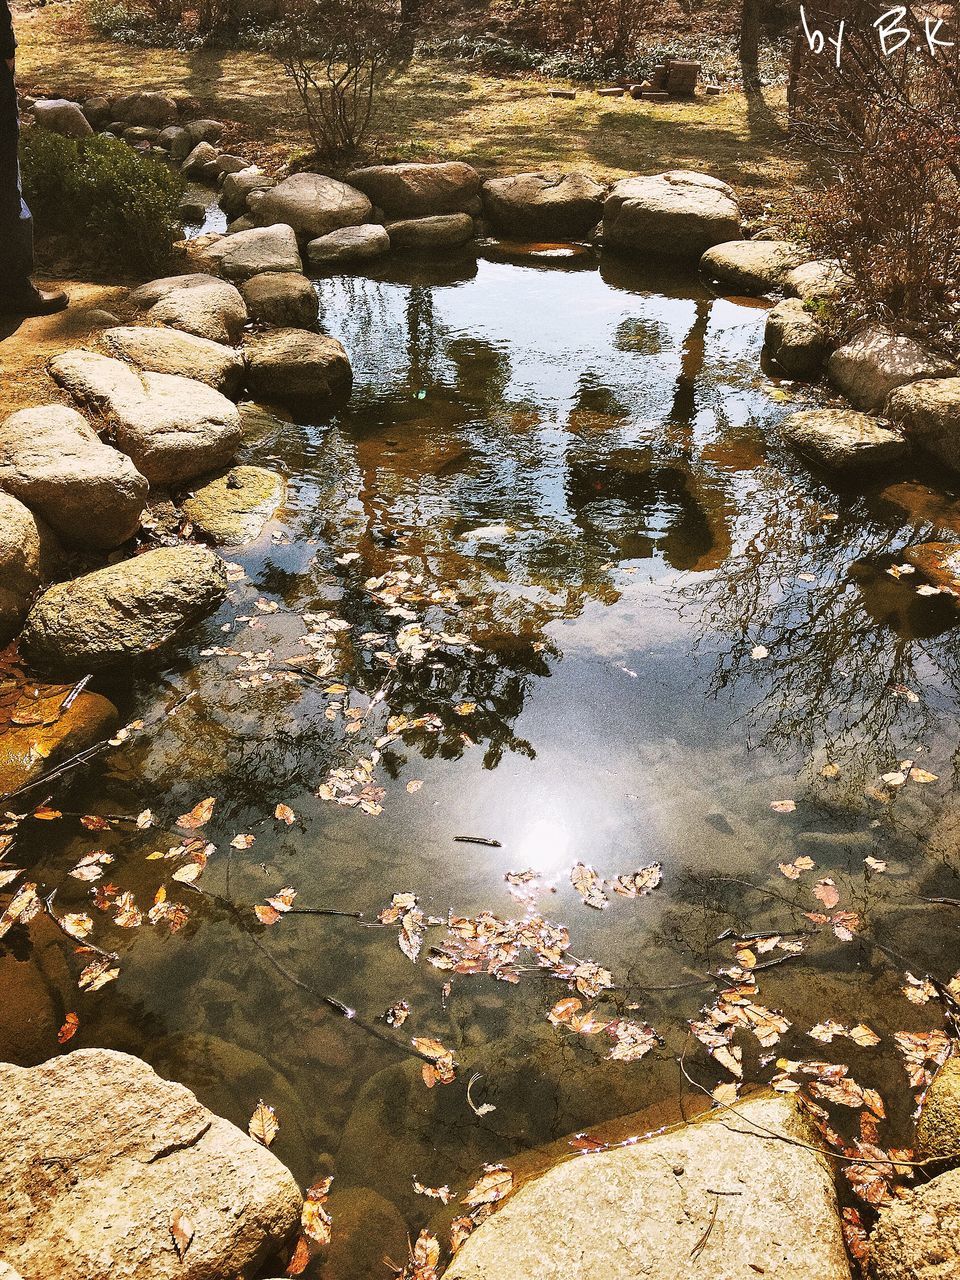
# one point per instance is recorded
(606, 30)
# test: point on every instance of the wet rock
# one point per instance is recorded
(123, 611)
(238, 187)
(544, 206)
(677, 214)
(57, 115)
(751, 266)
(173, 428)
(924, 505)
(148, 108)
(199, 304)
(201, 155)
(294, 364)
(311, 203)
(442, 231)
(169, 351)
(251, 253)
(259, 421)
(23, 556)
(419, 190)
(844, 440)
(193, 205)
(928, 414)
(748, 1204)
(795, 340)
(349, 244)
(369, 1228)
(821, 278)
(938, 1129)
(204, 131)
(939, 562)
(282, 298)
(53, 460)
(918, 1236)
(36, 734)
(876, 362)
(132, 1151)
(233, 508)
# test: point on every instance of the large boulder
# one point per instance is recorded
(918, 1236)
(844, 440)
(349, 244)
(21, 563)
(199, 160)
(54, 461)
(58, 115)
(102, 1158)
(678, 214)
(311, 203)
(170, 351)
(199, 304)
(441, 231)
(233, 508)
(418, 190)
(252, 253)
(99, 110)
(938, 1129)
(294, 364)
(795, 339)
(282, 298)
(172, 427)
(928, 413)
(721, 1198)
(239, 186)
(204, 130)
(123, 611)
(875, 362)
(543, 206)
(751, 266)
(146, 108)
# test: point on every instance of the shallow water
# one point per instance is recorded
(587, 455)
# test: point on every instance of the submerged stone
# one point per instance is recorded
(234, 507)
(939, 562)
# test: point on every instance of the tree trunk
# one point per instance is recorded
(750, 45)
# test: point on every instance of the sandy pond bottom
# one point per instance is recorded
(587, 457)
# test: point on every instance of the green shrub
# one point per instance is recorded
(109, 199)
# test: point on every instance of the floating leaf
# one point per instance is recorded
(638, 883)
(263, 1126)
(283, 813)
(495, 1183)
(314, 1218)
(198, 816)
(589, 886)
(242, 842)
(783, 806)
(69, 1029)
(826, 891)
(443, 1194)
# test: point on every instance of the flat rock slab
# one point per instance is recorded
(296, 365)
(443, 231)
(939, 562)
(751, 266)
(233, 508)
(844, 440)
(101, 1154)
(918, 1237)
(543, 206)
(184, 354)
(311, 203)
(283, 298)
(249, 253)
(349, 244)
(679, 214)
(875, 362)
(418, 190)
(928, 414)
(200, 304)
(794, 339)
(750, 1205)
(123, 611)
(88, 492)
(173, 428)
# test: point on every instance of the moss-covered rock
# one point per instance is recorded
(233, 508)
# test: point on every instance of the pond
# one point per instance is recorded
(647, 624)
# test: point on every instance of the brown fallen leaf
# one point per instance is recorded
(276, 906)
(263, 1126)
(242, 841)
(638, 883)
(45, 814)
(283, 813)
(783, 806)
(182, 1230)
(198, 816)
(826, 891)
(414, 785)
(443, 1194)
(315, 1220)
(589, 886)
(98, 973)
(69, 1029)
(397, 1014)
(495, 1182)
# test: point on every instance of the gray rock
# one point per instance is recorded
(193, 205)
(132, 1151)
(677, 214)
(52, 460)
(21, 561)
(844, 440)
(238, 187)
(57, 115)
(169, 351)
(795, 340)
(282, 298)
(938, 1129)
(173, 428)
(418, 190)
(250, 253)
(230, 164)
(246, 223)
(204, 131)
(311, 203)
(541, 206)
(718, 1199)
(233, 508)
(928, 413)
(175, 140)
(123, 611)
(349, 244)
(201, 155)
(99, 319)
(147, 108)
(918, 1237)
(140, 135)
(98, 110)
(443, 231)
(752, 267)
(876, 361)
(199, 304)
(822, 278)
(294, 364)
